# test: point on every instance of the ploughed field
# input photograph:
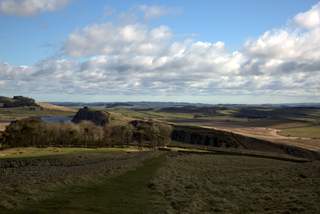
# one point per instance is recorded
(128, 180)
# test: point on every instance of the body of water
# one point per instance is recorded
(56, 119)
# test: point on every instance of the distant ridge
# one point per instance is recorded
(147, 104)
(50, 106)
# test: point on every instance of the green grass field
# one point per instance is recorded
(9, 114)
(127, 193)
(307, 131)
(225, 184)
(31, 152)
(172, 182)
(151, 114)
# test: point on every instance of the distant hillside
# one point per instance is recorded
(50, 106)
(181, 105)
(206, 110)
(137, 105)
(114, 105)
(278, 112)
(16, 101)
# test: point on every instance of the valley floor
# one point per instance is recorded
(116, 181)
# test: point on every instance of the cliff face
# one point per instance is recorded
(151, 131)
(99, 118)
(207, 137)
(218, 138)
(16, 101)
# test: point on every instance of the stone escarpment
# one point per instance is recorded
(224, 139)
(151, 131)
(99, 118)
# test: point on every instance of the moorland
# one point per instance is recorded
(144, 157)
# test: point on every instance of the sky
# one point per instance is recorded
(221, 51)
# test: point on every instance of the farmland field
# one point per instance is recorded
(305, 132)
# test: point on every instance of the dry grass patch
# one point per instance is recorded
(304, 132)
(229, 184)
(50, 106)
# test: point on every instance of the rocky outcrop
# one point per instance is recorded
(219, 138)
(16, 101)
(201, 136)
(99, 118)
(151, 131)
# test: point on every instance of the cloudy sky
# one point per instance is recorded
(221, 51)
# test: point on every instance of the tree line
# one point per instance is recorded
(36, 133)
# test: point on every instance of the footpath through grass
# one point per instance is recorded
(127, 193)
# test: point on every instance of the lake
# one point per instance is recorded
(56, 119)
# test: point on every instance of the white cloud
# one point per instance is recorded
(154, 11)
(30, 7)
(110, 39)
(309, 19)
(287, 51)
(135, 59)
